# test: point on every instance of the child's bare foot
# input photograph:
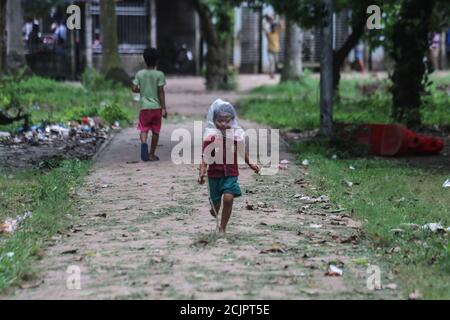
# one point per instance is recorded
(154, 158)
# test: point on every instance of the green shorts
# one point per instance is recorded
(219, 186)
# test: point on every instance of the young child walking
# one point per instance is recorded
(222, 140)
(150, 84)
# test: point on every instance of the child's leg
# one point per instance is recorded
(144, 146)
(215, 211)
(228, 199)
(144, 137)
(155, 139)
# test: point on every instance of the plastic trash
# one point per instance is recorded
(433, 227)
(5, 135)
(446, 184)
(334, 271)
(10, 225)
(305, 162)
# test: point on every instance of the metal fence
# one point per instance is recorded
(133, 26)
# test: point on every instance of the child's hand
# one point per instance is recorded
(255, 168)
(201, 179)
(136, 89)
(164, 113)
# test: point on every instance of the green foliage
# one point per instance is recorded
(295, 105)
(94, 81)
(48, 100)
(48, 196)
(112, 112)
(386, 195)
(75, 114)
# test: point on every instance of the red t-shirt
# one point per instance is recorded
(220, 170)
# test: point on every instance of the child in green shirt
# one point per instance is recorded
(150, 84)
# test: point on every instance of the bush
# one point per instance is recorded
(112, 112)
(79, 112)
(93, 81)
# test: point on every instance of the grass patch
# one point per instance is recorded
(55, 102)
(48, 195)
(387, 196)
(295, 105)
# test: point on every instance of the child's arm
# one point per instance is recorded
(241, 150)
(254, 167)
(162, 100)
(202, 172)
(135, 89)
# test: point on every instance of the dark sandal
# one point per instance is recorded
(144, 152)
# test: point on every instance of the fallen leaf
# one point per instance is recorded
(275, 248)
(71, 251)
(361, 261)
(352, 239)
(250, 207)
(201, 242)
(90, 253)
(31, 285)
(354, 224)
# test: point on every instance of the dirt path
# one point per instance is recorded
(145, 233)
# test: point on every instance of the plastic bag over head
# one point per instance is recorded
(221, 107)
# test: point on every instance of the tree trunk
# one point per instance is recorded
(339, 56)
(15, 51)
(293, 66)
(218, 45)
(111, 65)
(410, 42)
(2, 35)
(326, 71)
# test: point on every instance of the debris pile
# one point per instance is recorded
(10, 225)
(76, 139)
